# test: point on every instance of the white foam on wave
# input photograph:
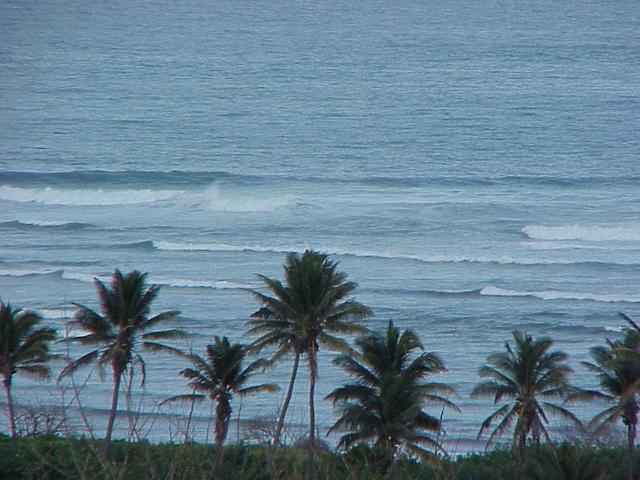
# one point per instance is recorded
(218, 247)
(218, 199)
(164, 281)
(582, 233)
(26, 273)
(49, 223)
(499, 259)
(82, 277)
(574, 245)
(55, 313)
(194, 283)
(54, 196)
(611, 328)
(559, 295)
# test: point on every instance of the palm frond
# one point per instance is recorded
(35, 371)
(161, 347)
(263, 388)
(83, 361)
(190, 397)
(160, 318)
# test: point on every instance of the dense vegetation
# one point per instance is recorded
(68, 458)
(387, 429)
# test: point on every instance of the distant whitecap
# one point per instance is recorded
(54, 196)
(582, 232)
(560, 295)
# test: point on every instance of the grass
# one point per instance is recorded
(56, 458)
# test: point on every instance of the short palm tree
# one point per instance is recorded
(220, 376)
(617, 366)
(527, 374)
(308, 310)
(123, 326)
(385, 403)
(23, 348)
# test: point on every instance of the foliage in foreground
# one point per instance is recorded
(50, 458)
(527, 375)
(384, 402)
(120, 330)
(313, 307)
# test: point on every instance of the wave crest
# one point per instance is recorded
(498, 259)
(216, 199)
(193, 283)
(559, 295)
(29, 273)
(582, 232)
(48, 225)
(54, 196)
(166, 281)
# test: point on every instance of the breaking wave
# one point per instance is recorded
(498, 259)
(583, 233)
(559, 295)
(217, 247)
(54, 196)
(213, 198)
(192, 283)
(47, 225)
(28, 273)
(492, 291)
(165, 281)
(55, 313)
(218, 199)
(82, 277)
(141, 245)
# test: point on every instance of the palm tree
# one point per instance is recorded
(220, 375)
(123, 326)
(385, 403)
(617, 366)
(305, 312)
(23, 348)
(526, 374)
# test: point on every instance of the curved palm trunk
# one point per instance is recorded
(117, 378)
(223, 414)
(313, 374)
(522, 443)
(285, 404)
(12, 416)
(630, 419)
(631, 440)
(312, 415)
(383, 462)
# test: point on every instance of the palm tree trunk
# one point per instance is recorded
(12, 415)
(117, 377)
(285, 404)
(313, 367)
(631, 440)
(522, 442)
(223, 413)
(313, 375)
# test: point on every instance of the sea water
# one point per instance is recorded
(473, 165)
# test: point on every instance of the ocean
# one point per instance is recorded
(473, 165)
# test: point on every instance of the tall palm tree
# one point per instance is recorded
(528, 374)
(123, 326)
(385, 403)
(617, 367)
(308, 310)
(23, 348)
(220, 376)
